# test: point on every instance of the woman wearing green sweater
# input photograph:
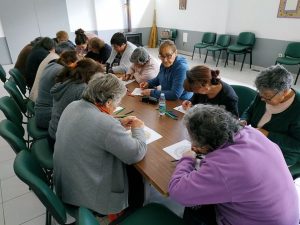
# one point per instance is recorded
(276, 111)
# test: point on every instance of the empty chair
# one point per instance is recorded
(291, 56)
(172, 37)
(221, 45)
(29, 171)
(246, 96)
(208, 39)
(19, 80)
(2, 74)
(244, 45)
(148, 215)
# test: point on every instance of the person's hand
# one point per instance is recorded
(189, 153)
(146, 92)
(265, 132)
(126, 77)
(186, 105)
(243, 122)
(137, 123)
(127, 121)
(144, 85)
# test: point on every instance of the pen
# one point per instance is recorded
(169, 115)
(129, 112)
(175, 160)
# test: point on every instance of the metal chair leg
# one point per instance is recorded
(218, 58)
(193, 53)
(200, 52)
(250, 58)
(226, 62)
(234, 59)
(243, 61)
(205, 56)
(297, 76)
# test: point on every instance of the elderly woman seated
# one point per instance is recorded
(275, 111)
(143, 66)
(243, 178)
(92, 148)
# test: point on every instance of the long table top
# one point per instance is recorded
(157, 166)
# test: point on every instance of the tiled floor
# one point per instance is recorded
(19, 206)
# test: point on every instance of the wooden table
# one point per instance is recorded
(157, 166)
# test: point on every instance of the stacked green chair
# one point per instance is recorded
(19, 80)
(2, 74)
(173, 37)
(29, 171)
(295, 170)
(208, 39)
(148, 215)
(26, 105)
(246, 96)
(244, 46)
(291, 56)
(221, 45)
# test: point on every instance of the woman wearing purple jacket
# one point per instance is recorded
(243, 178)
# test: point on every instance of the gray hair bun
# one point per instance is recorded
(139, 56)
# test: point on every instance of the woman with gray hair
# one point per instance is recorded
(143, 67)
(235, 181)
(92, 148)
(275, 111)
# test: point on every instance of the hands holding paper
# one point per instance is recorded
(186, 105)
(145, 91)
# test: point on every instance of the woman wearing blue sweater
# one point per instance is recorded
(171, 76)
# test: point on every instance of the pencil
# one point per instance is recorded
(129, 112)
(169, 115)
(116, 113)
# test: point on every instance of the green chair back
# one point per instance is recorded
(11, 110)
(29, 171)
(13, 134)
(246, 96)
(209, 38)
(19, 79)
(2, 74)
(223, 40)
(293, 50)
(246, 39)
(11, 88)
(174, 33)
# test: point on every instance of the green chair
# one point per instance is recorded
(2, 74)
(173, 36)
(150, 214)
(295, 170)
(291, 57)
(221, 45)
(29, 171)
(208, 39)
(26, 105)
(246, 96)
(244, 45)
(19, 79)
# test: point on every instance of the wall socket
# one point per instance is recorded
(280, 54)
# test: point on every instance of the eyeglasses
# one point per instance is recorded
(167, 56)
(269, 99)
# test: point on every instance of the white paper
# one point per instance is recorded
(118, 108)
(150, 134)
(177, 149)
(137, 91)
(180, 109)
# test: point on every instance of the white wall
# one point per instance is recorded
(112, 14)
(81, 14)
(1, 30)
(200, 15)
(261, 18)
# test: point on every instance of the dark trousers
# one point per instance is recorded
(204, 215)
(136, 188)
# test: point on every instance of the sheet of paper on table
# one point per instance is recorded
(118, 108)
(178, 148)
(137, 91)
(180, 109)
(128, 81)
(151, 135)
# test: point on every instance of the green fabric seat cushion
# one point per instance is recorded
(237, 48)
(295, 170)
(288, 61)
(201, 45)
(41, 150)
(215, 48)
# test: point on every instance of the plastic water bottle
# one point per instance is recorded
(162, 104)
